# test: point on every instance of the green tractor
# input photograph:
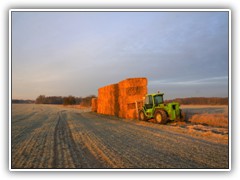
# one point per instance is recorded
(154, 107)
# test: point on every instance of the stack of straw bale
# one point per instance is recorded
(119, 99)
(131, 90)
(108, 100)
(94, 104)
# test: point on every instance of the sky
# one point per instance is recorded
(183, 54)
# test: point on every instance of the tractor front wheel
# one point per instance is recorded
(160, 117)
(141, 116)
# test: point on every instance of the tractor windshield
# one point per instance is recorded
(158, 99)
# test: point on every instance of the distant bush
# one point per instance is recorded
(42, 99)
(87, 101)
(70, 100)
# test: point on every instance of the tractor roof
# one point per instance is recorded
(155, 94)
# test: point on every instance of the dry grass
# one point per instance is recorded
(219, 120)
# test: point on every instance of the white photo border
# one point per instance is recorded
(122, 10)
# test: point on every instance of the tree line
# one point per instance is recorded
(69, 100)
(22, 101)
(201, 100)
(86, 101)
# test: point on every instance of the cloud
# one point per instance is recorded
(204, 81)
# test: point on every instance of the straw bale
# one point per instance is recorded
(107, 100)
(94, 104)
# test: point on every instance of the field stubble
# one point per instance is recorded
(56, 137)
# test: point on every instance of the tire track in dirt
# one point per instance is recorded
(55, 151)
(61, 141)
(80, 156)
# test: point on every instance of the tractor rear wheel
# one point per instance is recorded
(141, 116)
(160, 117)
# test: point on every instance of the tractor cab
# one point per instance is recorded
(154, 99)
(151, 102)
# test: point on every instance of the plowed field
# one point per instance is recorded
(45, 136)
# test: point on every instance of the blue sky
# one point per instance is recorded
(183, 54)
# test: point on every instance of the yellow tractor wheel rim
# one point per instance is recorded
(159, 117)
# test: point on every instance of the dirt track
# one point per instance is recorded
(53, 137)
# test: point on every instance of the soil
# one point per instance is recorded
(48, 136)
